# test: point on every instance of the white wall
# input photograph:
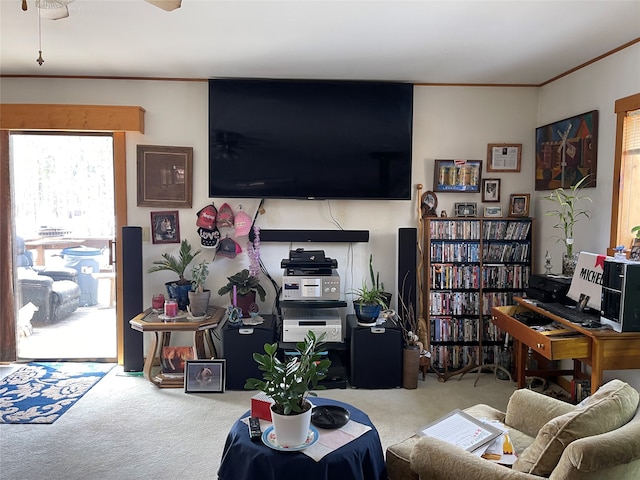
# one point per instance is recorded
(449, 123)
(595, 87)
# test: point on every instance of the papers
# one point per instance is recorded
(462, 430)
(499, 450)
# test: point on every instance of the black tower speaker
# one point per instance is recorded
(376, 355)
(131, 271)
(407, 267)
(238, 346)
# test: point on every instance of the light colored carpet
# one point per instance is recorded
(126, 428)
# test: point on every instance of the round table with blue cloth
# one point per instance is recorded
(360, 459)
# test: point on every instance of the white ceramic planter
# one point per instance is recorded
(291, 430)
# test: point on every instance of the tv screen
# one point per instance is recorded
(310, 139)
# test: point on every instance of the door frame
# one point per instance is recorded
(95, 118)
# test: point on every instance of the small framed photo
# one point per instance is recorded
(205, 376)
(466, 209)
(504, 157)
(458, 176)
(493, 211)
(519, 205)
(635, 253)
(165, 176)
(491, 190)
(165, 227)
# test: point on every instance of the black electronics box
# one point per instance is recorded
(548, 288)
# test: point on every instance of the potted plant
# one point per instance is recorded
(375, 280)
(368, 303)
(177, 289)
(243, 287)
(199, 296)
(412, 346)
(289, 383)
(635, 231)
(568, 211)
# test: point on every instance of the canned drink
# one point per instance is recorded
(171, 308)
(453, 175)
(443, 175)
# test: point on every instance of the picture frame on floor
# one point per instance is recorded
(205, 376)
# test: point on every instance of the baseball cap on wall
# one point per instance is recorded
(207, 217)
(229, 248)
(242, 223)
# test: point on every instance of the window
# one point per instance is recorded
(626, 201)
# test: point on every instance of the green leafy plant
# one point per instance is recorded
(244, 283)
(375, 279)
(199, 274)
(176, 264)
(288, 383)
(635, 231)
(568, 210)
(368, 295)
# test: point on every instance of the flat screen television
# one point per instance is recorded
(310, 139)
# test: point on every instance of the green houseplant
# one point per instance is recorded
(199, 296)
(567, 211)
(367, 303)
(375, 280)
(246, 288)
(289, 383)
(177, 289)
(635, 231)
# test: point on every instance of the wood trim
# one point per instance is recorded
(7, 312)
(621, 107)
(96, 118)
(120, 195)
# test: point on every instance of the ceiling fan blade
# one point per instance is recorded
(167, 5)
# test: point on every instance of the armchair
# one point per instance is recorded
(598, 439)
(55, 292)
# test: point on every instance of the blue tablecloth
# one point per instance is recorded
(360, 459)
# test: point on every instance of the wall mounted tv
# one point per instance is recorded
(310, 139)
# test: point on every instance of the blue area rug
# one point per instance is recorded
(40, 392)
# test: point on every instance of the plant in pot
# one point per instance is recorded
(568, 211)
(635, 231)
(412, 347)
(375, 280)
(368, 303)
(243, 287)
(289, 383)
(177, 289)
(199, 296)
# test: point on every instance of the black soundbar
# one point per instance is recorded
(345, 236)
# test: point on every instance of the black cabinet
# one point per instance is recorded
(238, 344)
(376, 355)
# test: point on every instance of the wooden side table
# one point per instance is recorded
(148, 321)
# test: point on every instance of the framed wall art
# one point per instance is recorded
(460, 176)
(165, 227)
(491, 190)
(205, 376)
(566, 151)
(466, 209)
(493, 211)
(504, 157)
(165, 176)
(519, 205)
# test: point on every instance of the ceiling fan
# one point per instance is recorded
(57, 9)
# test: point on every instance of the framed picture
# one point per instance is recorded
(165, 176)
(429, 203)
(519, 205)
(493, 211)
(504, 157)
(205, 376)
(460, 176)
(491, 190)
(165, 227)
(635, 253)
(566, 151)
(466, 209)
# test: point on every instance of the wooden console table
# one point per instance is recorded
(601, 349)
(148, 321)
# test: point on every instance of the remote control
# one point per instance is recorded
(254, 429)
